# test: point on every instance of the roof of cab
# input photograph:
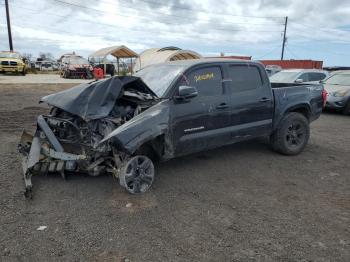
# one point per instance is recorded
(192, 62)
(302, 70)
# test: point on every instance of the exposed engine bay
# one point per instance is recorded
(69, 138)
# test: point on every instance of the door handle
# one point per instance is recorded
(222, 106)
(264, 99)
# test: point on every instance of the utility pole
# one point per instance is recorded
(8, 24)
(284, 37)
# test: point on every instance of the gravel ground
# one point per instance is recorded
(238, 203)
(38, 78)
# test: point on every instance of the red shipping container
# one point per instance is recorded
(294, 64)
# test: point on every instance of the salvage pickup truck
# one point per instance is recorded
(122, 125)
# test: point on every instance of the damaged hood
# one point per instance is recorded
(96, 99)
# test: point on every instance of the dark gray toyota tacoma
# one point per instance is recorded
(122, 125)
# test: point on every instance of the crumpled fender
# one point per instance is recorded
(141, 129)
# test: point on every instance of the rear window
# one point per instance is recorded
(244, 77)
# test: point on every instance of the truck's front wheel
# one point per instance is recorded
(137, 174)
(292, 134)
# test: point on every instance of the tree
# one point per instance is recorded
(27, 56)
(46, 56)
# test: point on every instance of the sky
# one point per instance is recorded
(318, 30)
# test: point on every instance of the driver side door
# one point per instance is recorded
(199, 123)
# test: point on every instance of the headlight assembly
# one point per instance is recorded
(340, 93)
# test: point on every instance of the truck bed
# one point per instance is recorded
(286, 95)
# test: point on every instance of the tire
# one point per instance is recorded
(346, 110)
(291, 135)
(137, 174)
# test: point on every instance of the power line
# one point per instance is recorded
(134, 8)
(167, 23)
(311, 36)
(195, 38)
(292, 53)
(129, 29)
(108, 25)
(319, 50)
(324, 29)
(268, 53)
(215, 13)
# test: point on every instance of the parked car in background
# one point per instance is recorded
(272, 69)
(74, 66)
(46, 66)
(55, 66)
(338, 91)
(299, 76)
(37, 65)
(12, 62)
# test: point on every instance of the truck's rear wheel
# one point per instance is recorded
(137, 174)
(292, 135)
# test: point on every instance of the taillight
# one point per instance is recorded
(324, 97)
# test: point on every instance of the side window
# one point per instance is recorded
(316, 76)
(322, 76)
(304, 77)
(244, 77)
(208, 81)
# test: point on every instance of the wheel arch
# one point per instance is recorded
(303, 109)
(153, 148)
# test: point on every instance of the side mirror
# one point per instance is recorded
(299, 81)
(186, 92)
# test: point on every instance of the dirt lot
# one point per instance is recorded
(38, 78)
(239, 203)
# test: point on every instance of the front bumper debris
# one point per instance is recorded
(43, 153)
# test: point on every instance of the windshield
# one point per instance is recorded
(159, 77)
(284, 77)
(9, 55)
(339, 79)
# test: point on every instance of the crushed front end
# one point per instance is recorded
(70, 138)
(61, 145)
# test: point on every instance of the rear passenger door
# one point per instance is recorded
(251, 101)
(201, 122)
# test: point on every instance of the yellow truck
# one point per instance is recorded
(12, 62)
